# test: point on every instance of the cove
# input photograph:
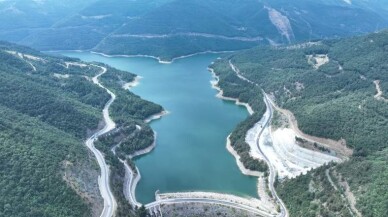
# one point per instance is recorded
(190, 154)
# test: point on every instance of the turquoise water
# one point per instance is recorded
(190, 154)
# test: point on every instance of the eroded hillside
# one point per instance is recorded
(330, 87)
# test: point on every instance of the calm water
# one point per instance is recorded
(190, 153)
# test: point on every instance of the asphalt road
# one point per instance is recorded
(272, 173)
(110, 204)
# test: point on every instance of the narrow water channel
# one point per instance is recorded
(190, 154)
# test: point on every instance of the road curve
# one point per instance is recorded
(130, 183)
(272, 171)
(110, 204)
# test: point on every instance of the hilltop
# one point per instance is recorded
(172, 28)
(337, 90)
(50, 106)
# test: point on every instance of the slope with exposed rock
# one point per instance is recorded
(136, 27)
(336, 102)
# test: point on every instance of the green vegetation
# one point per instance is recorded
(127, 106)
(234, 87)
(367, 178)
(96, 24)
(324, 102)
(250, 19)
(31, 154)
(334, 101)
(315, 146)
(172, 46)
(276, 120)
(238, 143)
(48, 110)
(43, 123)
(313, 195)
(129, 112)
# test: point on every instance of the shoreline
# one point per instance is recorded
(156, 116)
(135, 82)
(130, 184)
(240, 165)
(133, 184)
(131, 179)
(229, 147)
(220, 93)
(264, 197)
(143, 55)
(145, 150)
(129, 56)
(199, 53)
(134, 179)
(156, 57)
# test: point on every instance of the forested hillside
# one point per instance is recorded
(172, 28)
(336, 89)
(49, 106)
(129, 112)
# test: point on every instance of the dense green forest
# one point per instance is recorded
(129, 112)
(49, 107)
(313, 195)
(334, 100)
(234, 87)
(31, 154)
(121, 26)
(43, 123)
(172, 46)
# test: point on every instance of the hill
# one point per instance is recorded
(172, 28)
(49, 106)
(336, 89)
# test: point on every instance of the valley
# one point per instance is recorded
(182, 155)
(138, 178)
(237, 108)
(269, 146)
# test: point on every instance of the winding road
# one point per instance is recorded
(130, 183)
(272, 171)
(110, 204)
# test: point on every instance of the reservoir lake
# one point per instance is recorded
(190, 153)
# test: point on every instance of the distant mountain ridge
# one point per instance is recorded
(171, 28)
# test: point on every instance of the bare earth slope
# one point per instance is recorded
(332, 103)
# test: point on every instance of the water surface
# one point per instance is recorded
(190, 154)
